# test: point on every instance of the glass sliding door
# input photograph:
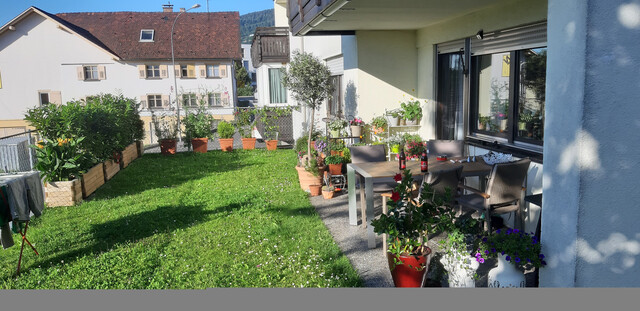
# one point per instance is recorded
(449, 95)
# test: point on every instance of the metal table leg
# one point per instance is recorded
(351, 180)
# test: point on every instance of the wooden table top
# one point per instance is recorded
(390, 168)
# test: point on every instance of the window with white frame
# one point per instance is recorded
(153, 71)
(213, 71)
(189, 100)
(90, 72)
(146, 35)
(44, 98)
(154, 101)
(215, 99)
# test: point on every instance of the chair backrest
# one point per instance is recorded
(361, 154)
(450, 148)
(439, 181)
(506, 181)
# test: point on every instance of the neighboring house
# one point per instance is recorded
(482, 68)
(247, 63)
(272, 48)
(47, 58)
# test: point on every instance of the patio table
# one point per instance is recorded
(370, 170)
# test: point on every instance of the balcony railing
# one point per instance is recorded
(270, 45)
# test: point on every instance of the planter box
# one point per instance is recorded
(92, 180)
(63, 193)
(140, 146)
(129, 154)
(111, 168)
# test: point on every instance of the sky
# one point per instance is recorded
(11, 8)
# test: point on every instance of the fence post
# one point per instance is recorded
(31, 162)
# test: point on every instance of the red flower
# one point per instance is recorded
(395, 196)
(398, 177)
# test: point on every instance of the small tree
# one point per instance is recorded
(309, 81)
(243, 81)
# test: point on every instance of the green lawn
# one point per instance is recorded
(189, 220)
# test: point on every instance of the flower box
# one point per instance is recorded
(92, 180)
(129, 154)
(111, 168)
(63, 193)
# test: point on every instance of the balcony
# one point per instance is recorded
(270, 45)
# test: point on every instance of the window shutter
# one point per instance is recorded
(223, 71)
(142, 69)
(203, 71)
(165, 100)
(143, 101)
(80, 71)
(518, 38)
(177, 71)
(102, 73)
(164, 71)
(55, 97)
(225, 99)
(191, 71)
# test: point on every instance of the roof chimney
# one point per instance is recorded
(167, 8)
(182, 10)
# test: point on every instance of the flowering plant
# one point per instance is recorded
(320, 145)
(356, 122)
(60, 159)
(410, 220)
(378, 125)
(337, 125)
(521, 248)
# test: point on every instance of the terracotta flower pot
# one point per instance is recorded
(305, 178)
(272, 144)
(335, 169)
(248, 143)
(328, 194)
(226, 144)
(315, 190)
(340, 153)
(200, 144)
(405, 276)
(168, 146)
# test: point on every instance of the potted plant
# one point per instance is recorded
(225, 132)
(197, 126)
(315, 189)
(378, 125)
(515, 250)
(356, 127)
(166, 129)
(335, 164)
(413, 146)
(407, 224)
(328, 192)
(336, 147)
(525, 122)
(321, 146)
(269, 117)
(483, 122)
(457, 258)
(309, 81)
(411, 111)
(394, 116)
(394, 143)
(245, 118)
(336, 127)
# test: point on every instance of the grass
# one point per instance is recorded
(189, 220)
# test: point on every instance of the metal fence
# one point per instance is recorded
(16, 154)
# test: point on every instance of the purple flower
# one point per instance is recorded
(528, 260)
(516, 230)
(508, 258)
(509, 231)
(541, 256)
(484, 240)
(493, 250)
(544, 263)
(498, 231)
(502, 252)
(480, 260)
(486, 252)
(517, 259)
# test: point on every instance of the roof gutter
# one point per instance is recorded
(322, 16)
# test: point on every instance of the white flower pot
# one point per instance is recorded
(412, 122)
(356, 130)
(460, 271)
(393, 121)
(505, 275)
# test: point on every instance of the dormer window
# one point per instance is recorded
(146, 35)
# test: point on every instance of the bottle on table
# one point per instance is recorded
(402, 160)
(424, 162)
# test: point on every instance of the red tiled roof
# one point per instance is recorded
(196, 35)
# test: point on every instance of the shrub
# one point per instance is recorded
(197, 124)
(334, 159)
(59, 159)
(225, 130)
